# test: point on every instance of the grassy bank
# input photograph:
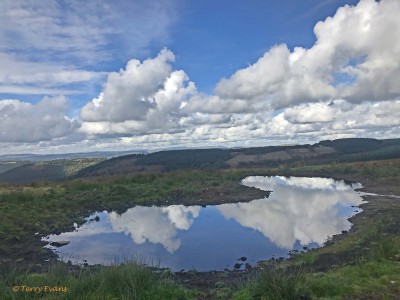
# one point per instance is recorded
(375, 274)
(128, 281)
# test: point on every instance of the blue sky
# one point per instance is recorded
(216, 38)
(88, 76)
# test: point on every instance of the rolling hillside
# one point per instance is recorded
(341, 150)
(46, 171)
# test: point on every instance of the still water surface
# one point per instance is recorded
(299, 212)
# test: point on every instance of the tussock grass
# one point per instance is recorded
(274, 284)
(128, 281)
(377, 273)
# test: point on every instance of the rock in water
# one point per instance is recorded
(59, 243)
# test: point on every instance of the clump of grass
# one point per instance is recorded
(386, 249)
(306, 258)
(366, 278)
(376, 272)
(128, 281)
(274, 284)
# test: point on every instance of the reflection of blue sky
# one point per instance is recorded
(299, 211)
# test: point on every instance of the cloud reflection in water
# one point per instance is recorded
(299, 208)
(155, 224)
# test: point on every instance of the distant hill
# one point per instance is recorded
(340, 150)
(9, 165)
(160, 161)
(47, 157)
(354, 149)
(354, 145)
(46, 170)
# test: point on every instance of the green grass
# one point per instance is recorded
(128, 281)
(380, 278)
(273, 284)
(300, 259)
(376, 272)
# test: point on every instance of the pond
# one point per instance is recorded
(299, 212)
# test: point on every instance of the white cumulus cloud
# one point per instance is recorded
(146, 96)
(355, 57)
(23, 122)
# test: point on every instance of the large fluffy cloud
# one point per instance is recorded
(25, 122)
(276, 78)
(146, 96)
(355, 57)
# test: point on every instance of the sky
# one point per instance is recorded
(78, 76)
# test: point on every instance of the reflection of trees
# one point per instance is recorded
(303, 209)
